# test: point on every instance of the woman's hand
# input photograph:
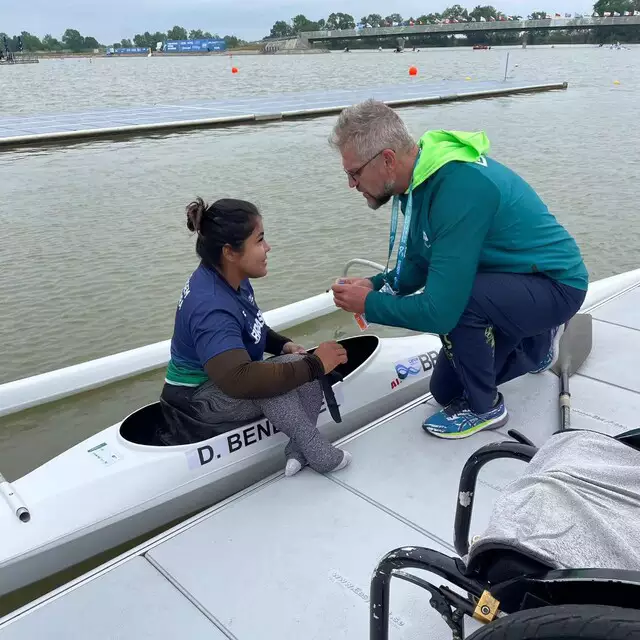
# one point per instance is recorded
(292, 347)
(331, 354)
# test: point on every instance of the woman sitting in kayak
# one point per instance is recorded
(217, 375)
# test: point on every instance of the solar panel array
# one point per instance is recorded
(94, 123)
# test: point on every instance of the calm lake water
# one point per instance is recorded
(94, 250)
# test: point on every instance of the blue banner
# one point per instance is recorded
(111, 50)
(185, 46)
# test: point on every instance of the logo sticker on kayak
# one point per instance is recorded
(230, 443)
(414, 366)
(103, 453)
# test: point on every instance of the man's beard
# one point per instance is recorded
(387, 193)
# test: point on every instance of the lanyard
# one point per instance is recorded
(402, 248)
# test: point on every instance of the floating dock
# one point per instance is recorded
(292, 557)
(105, 123)
(19, 58)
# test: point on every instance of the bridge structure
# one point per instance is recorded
(473, 27)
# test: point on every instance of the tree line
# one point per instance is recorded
(72, 40)
(481, 13)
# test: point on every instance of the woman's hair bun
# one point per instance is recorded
(195, 211)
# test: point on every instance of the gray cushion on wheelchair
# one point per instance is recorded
(576, 506)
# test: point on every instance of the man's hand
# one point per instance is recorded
(350, 297)
(359, 282)
(292, 347)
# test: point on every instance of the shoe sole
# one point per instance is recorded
(496, 423)
(556, 352)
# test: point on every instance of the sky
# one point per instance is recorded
(114, 20)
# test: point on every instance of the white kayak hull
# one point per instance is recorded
(108, 489)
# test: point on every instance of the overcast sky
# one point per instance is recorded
(110, 21)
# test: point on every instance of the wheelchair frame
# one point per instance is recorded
(485, 601)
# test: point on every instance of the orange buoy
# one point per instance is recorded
(234, 69)
(413, 71)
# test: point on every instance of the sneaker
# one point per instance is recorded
(457, 420)
(552, 355)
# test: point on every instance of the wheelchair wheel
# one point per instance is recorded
(567, 622)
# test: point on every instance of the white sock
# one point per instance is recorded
(292, 467)
(345, 461)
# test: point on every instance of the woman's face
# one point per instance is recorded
(253, 259)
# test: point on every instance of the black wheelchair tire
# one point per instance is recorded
(566, 622)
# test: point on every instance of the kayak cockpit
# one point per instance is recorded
(143, 426)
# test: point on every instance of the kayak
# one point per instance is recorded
(120, 483)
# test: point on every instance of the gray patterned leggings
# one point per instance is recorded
(294, 413)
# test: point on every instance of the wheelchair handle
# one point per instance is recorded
(468, 479)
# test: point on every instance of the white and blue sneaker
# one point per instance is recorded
(457, 420)
(552, 355)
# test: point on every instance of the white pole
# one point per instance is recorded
(506, 67)
(14, 501)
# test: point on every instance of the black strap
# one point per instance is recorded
(332, 404)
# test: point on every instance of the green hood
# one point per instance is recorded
(439, 147)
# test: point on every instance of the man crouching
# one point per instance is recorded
(501, 275)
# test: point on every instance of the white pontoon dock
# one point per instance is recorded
(291, 558)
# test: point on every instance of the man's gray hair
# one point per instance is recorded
(368, 128)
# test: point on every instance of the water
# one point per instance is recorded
(94, 250)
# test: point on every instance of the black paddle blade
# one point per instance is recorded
(575, 344)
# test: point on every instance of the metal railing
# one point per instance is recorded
(468, 27)
(363, 262)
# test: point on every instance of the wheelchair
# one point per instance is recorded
(517, 594)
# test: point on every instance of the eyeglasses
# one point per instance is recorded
(355, 174)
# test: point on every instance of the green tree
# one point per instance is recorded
(537, 15)
(340, 21)
(429, 18)
(456, 11)
(196, 34)
(281, 29)
(49, 43)
(301, 23)
(158, 36)
(71, 39)
(233, 42)
(147, 39)
(31, 43)
(483, 11)
(177, 33)
(322, 23)
(616, 5)
(372, 20)
(91, 43)
(393, 18)
(126, 43)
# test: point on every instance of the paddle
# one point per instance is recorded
(575, 347)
